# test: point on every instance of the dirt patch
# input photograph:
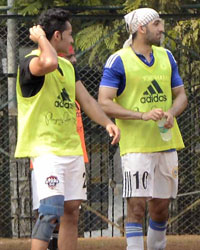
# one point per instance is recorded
(186, 242)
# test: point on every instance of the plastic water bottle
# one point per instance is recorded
(165, 133)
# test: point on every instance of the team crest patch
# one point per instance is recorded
(52, 181)
(175, 172)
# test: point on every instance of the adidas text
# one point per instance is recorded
(61, 104)
(153, 98)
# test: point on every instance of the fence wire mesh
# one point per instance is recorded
(104, 212)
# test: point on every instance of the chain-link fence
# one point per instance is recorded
(104, 212)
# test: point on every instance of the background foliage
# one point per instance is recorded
(107, 34)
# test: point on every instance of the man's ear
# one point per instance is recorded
(142, 29)
(57, 35)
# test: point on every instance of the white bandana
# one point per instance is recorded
(137, 18)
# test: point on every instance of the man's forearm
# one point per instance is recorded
(179, 105)
(114, 110)
(94, 111)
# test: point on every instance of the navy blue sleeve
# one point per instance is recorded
(114, 74)
(176, 80)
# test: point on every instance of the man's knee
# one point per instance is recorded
(44, 227)
(52, 205)
(136, 209)
(158, 209)
(50, 211)
(72, 206)
(138, 212)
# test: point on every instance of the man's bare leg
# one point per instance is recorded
(38, 244)
(68, 231)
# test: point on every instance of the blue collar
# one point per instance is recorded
(142, 58)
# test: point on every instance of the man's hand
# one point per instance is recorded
(36, 32)
(169, 119)
(154, 114)
(114, 132)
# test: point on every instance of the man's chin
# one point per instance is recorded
(157, 43)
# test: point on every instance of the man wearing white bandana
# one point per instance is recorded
(140, 86)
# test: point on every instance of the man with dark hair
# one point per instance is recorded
(140, 86)
(69, 55)
(47, 133)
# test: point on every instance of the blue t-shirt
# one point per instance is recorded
(114, 73)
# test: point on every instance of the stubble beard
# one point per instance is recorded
(151, 40)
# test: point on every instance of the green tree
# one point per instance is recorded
(106, 35)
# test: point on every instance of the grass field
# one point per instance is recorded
(187, 242)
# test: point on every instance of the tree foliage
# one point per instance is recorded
(108, 34)
(33, 7)
(3, 2)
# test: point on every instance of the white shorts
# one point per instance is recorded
(58, 175)
(152, 175)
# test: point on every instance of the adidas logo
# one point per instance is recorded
(154, 93)
(63, 100)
